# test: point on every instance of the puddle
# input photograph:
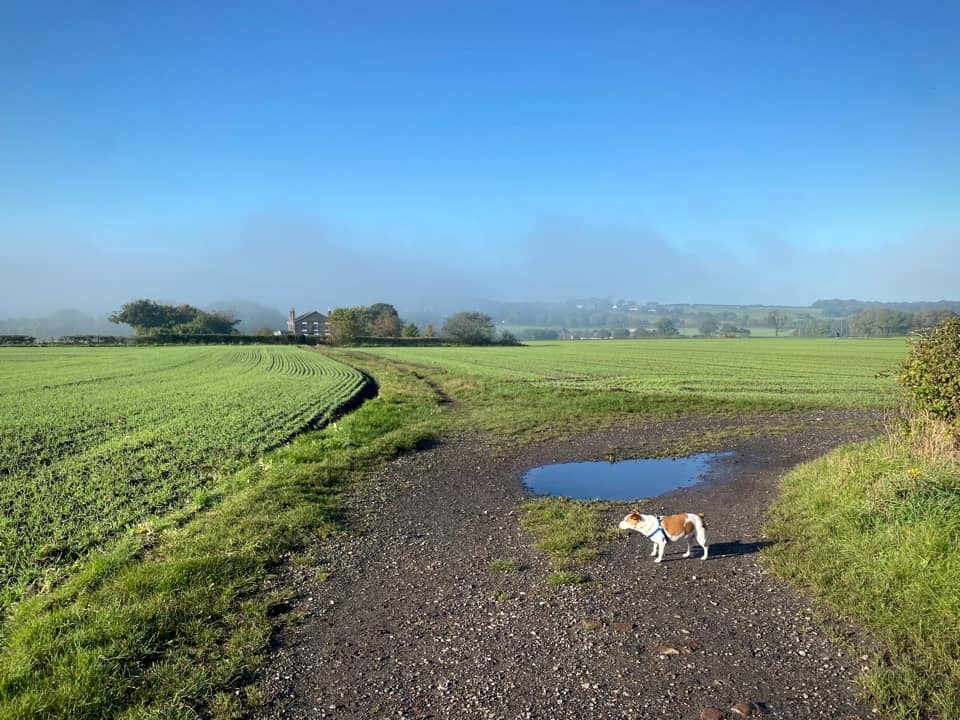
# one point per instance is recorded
(624, 480)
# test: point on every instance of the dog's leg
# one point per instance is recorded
(653, 549)
(702, 539)
(660, 547)
(687, 553)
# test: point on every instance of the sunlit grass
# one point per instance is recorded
(546, 389)
(874, 530)
(94, 440)
(173, 617)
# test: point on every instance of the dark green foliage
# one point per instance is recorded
(348, 323)
(470, 328)
(667, 328)
(148, 317)
(931, 372)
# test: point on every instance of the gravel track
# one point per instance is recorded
(413, 623)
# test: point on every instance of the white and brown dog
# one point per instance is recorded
(668, 528)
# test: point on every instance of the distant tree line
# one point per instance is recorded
(353, 325)
(885, 322)
(664, 327)
(380, 320)
(845, 308)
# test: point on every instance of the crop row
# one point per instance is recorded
(813, 373)
(93, 440)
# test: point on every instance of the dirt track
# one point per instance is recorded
(413, 622)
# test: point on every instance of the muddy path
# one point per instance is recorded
(414, 623)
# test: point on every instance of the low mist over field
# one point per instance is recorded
(280, 263)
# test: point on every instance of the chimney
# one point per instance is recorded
(292, 322)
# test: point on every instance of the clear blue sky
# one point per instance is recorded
(322, 154)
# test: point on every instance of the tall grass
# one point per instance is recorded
(874, 530)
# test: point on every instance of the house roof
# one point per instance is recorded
(310, 316)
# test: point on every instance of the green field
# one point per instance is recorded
(95, 440)
(769, 373)
(157, 459)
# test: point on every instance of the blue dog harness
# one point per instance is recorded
(659, 529)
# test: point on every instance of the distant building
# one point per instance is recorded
(312, 323)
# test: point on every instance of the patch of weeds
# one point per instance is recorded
(567, 577)
(503, 596)
(504, 566)
(568, 531)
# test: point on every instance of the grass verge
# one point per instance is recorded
(174, 617)
(874, 530)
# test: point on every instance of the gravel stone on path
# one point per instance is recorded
(414, 623)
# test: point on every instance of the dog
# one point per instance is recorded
(669, 528)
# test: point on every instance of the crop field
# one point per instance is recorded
(94, 440)
(771, 372)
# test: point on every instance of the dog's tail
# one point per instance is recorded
(703, 518)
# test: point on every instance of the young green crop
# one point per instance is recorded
(93, 440)
(803, 371)
(543, 387)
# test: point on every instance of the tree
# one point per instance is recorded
(384, 320)
(148, 317)
(141, 315)
(347, 324)
(880, 322)
(386, 326)
(208, 324)
(428, 330)
(410, 330)
(508, 338)
(708, 324)
(470, 328)
(777, 320)
(666, 328)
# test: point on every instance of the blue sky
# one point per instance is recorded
(323, 154)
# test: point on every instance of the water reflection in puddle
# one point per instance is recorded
(624, 480)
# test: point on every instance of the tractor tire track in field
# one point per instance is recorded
(414, 623)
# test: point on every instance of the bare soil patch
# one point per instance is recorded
(415, 622)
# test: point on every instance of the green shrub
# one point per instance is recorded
(931, 372)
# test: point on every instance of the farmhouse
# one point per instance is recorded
(311, 323)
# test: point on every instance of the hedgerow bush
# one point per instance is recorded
(931, 372)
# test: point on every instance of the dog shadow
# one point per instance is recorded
(737, 548)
